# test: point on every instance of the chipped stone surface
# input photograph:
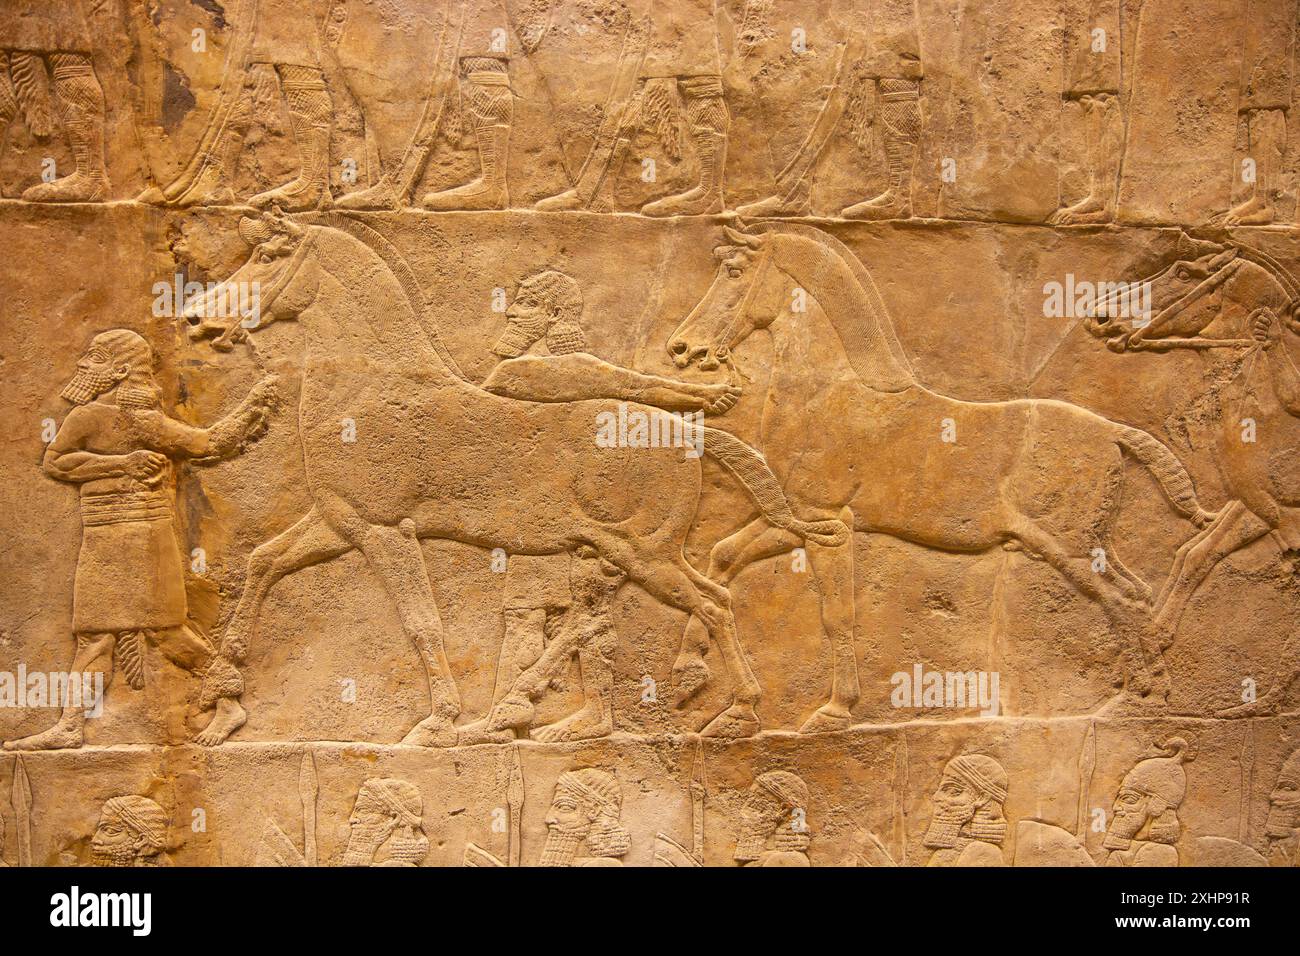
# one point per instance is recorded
(649, 432)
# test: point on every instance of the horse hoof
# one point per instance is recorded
(432, 732)
(826, 720)
(690, 675)
(738, 720)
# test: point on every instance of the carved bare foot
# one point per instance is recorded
(588, 723)
(305, 192)
(480, 732)
(738, 720)
(1085, 211)
(888, 205)
(379, 196)
(1255, 211)
(827, 718)
(1267, 706)
(512, 711)
(689, 676)
(433, 731)
(796, 205)
(228, 718)
(566, 201)
(64, 735)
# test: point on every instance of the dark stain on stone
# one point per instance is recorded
(177, 98)
(216, 9)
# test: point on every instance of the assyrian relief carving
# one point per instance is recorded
(684, 433)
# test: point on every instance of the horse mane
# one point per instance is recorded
(1283, 276)
(861, 320)
(402, 272)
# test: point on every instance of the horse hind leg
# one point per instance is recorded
(659, 567)
(1235, 527)
(1129, 620)
(833, 570)
(731, 555)
(395, 556)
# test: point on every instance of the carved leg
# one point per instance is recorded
(485, 85)
(1265, 135)
(900, 115)
(8, 98)
(833, 568)
(311, 114)
(1129, 620)
(94, 655)
(1233, 528)
(81, 105)
(1104, 137)
(731, 555)
(309, 541)
(395, 555)
(708, 119)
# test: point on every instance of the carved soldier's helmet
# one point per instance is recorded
(1162, 776)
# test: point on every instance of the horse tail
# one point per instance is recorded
(1164, 465)
(749, 467)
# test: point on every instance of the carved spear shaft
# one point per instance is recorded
(699, 790)
(515, 797)
(22, 802)
(308, 790)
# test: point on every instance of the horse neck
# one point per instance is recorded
(807, 340)
(360, 304)
(855, 316)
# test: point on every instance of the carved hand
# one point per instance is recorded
(145, 466)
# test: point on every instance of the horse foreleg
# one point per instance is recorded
(1235, 527)
(309, 541)
(395, 556)
(833, 569)
(306, 542)
(730, 556)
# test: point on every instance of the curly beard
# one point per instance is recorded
(561, 847)
(113, 856)
(945, 828)
(363, 842)
(750, 844)
(86, 384)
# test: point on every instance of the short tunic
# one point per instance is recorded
(683, 39)
(287, 32)
(43, 26)
(129, 571)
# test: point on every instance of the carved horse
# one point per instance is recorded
(851, 433)
(1230, 305)
(437, 457)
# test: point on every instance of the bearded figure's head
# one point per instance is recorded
(132, 831)
(390, 811)
(968, 804)
(118, 358)
(1284, 803)
(776, 808)
(547, 305)
(1149, 797)
(586, 808)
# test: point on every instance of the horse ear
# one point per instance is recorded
(741, 238)
(1223, 258)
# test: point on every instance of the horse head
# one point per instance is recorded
(742, 299)
(1177, 299)
(269, 286)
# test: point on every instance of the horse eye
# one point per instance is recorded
(1183, 274)
(734, 271)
